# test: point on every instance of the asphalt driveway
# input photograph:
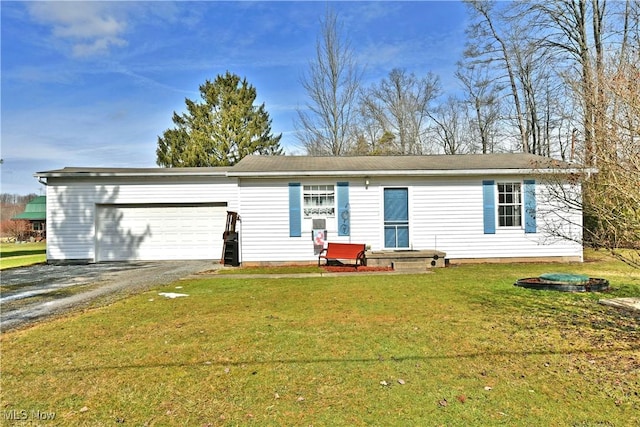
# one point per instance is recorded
(37, 292)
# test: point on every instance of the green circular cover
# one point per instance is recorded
(565, 278)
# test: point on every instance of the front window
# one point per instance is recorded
(319, 201)
(37, 226)
(509, 204)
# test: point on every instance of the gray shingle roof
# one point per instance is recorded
(271, 166)
(370, 164)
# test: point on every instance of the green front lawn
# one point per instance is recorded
(461, 346)
(22, 254)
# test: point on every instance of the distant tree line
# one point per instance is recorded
(532, 79)
(7, 199)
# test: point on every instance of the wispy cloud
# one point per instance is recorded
(91, 28)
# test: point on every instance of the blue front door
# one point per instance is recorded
(396, 217)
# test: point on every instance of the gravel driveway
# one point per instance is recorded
(34, 293)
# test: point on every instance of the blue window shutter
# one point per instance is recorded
(344, 210)
(529, 206)
(295, 213)
(489, 206)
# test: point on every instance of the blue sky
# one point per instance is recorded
(95, 83)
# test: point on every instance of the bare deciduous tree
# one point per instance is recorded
(490, 45)
(573, 29)
(399, 105)
(450, 127)
(610, 200)
(613, 197)
(326, 125)
(482, 95)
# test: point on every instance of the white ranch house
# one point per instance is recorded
(471, 207)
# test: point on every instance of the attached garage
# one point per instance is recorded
(159, 231)
(138, 214)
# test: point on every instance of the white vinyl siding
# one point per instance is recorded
(445, 213)
(265, 233)
(71, 206)
(264, 211)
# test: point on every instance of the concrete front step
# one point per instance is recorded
(395, 258)
(417, 265)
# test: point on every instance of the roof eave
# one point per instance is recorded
(446, 172)
(39, 217)
(127, 174)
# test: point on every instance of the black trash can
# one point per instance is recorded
(231, 249)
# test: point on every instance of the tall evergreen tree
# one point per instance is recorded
(221, 129)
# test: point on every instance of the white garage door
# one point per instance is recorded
(159, 232)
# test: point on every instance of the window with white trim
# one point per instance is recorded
(509, 204)
(319, 201)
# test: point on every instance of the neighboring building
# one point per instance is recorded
(472, 207)
(36, 213)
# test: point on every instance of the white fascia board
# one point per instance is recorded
(289, 174)
(126, 174)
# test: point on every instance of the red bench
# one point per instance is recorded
(338, 251)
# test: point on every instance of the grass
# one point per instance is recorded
(461, 346)
(22, 254)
